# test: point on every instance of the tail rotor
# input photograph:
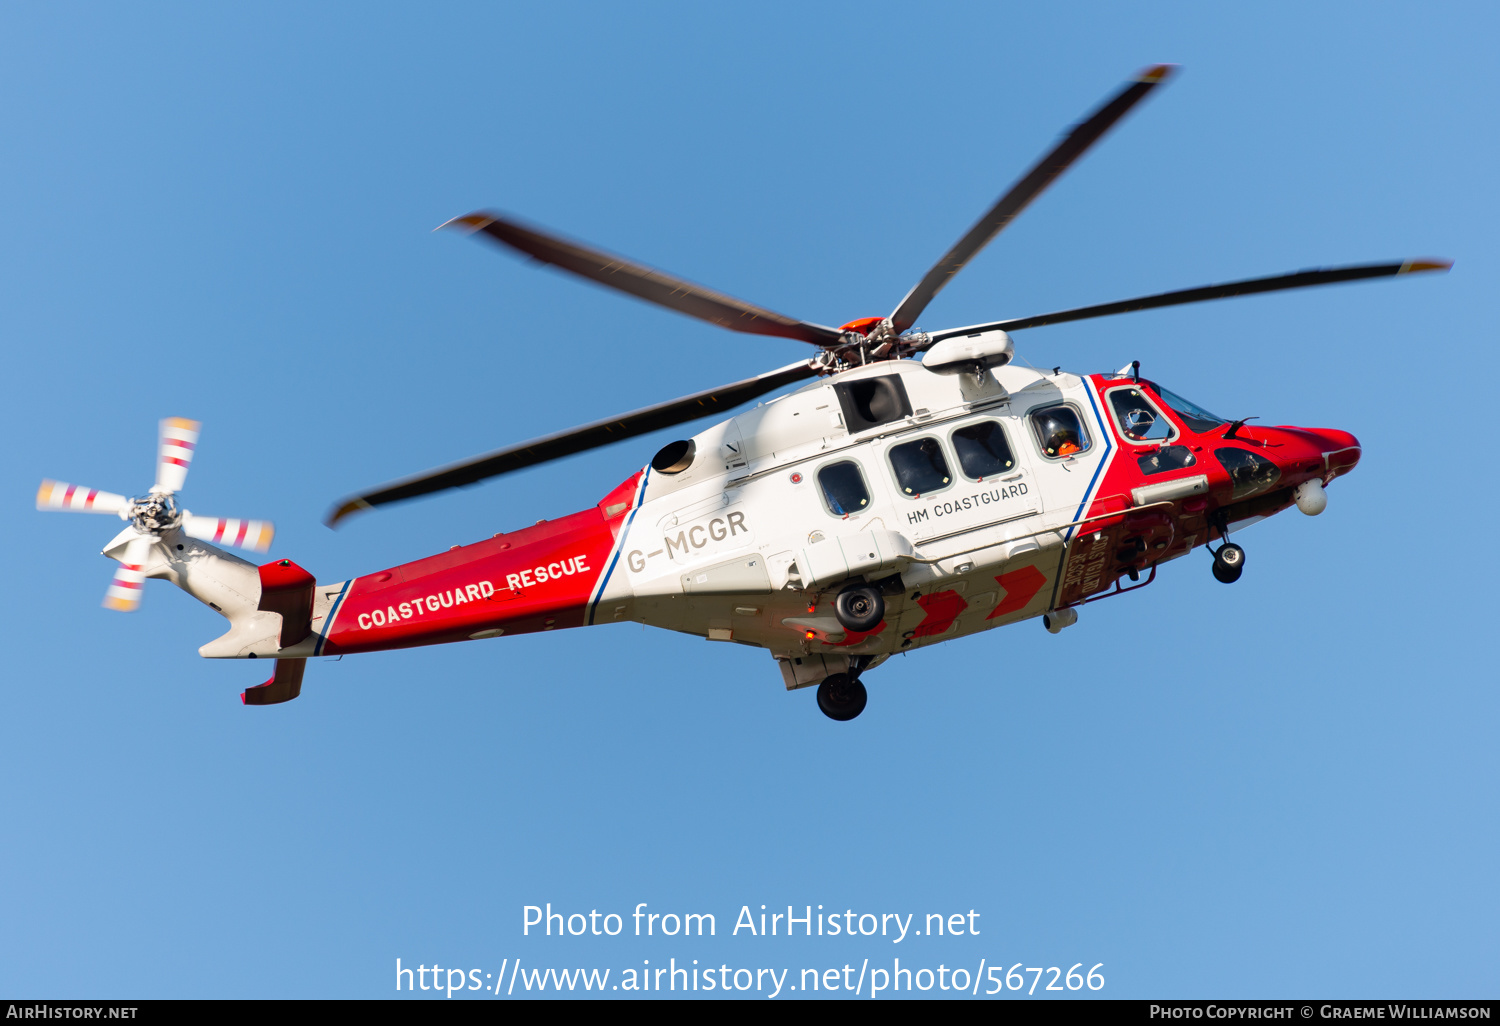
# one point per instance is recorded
(155, 516)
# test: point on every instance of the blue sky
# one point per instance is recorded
(1284, 787)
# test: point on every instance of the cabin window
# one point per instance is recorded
(872, 401)
(983, 451)
(1168, 457)
(1138, 417)
(1249, 472)
(1059, 432)
(920, 467)
(1194, 416)
(844, 488)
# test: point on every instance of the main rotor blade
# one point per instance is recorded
(1028, 188)
(1248, 287)
(179, 437)
(644, 282)
(576, 440)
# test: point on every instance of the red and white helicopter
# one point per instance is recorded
(886, 505)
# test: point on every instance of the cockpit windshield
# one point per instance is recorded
(1195, 416)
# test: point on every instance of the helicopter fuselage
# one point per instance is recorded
(889, 505)
(971, 500)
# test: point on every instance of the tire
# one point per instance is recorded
(1229, 563)
(842, 697)
(859, 608)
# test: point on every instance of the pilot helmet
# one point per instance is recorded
(1059, 431)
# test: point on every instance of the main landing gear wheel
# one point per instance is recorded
(859, 608)
(1229, 563)
(841, 697)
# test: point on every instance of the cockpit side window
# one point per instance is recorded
(920, 467)
(983, 451)
(844, 488)
(1059, 432)
(1194, 416)
(1168, 457)
(1138, 417)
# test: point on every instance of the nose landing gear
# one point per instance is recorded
(1229, 563)
(1229, 558)
(841, 696)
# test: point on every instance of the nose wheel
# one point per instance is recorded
(841, 696)
(1229, 563)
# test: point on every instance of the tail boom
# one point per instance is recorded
(540, 578)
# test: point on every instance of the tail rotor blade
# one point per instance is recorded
(124, 594)
(71, 498)
(254, 535)
(179, 439)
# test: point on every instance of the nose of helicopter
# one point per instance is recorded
(1340, 448)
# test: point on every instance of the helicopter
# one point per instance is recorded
(920, 486)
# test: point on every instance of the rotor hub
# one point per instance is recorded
(155, 513)
(867, 339)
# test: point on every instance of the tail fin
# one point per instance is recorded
(287, 590)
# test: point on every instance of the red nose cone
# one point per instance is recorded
(1338, 439)
(1340, 449)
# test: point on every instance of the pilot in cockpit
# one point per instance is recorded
(1059, 430)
